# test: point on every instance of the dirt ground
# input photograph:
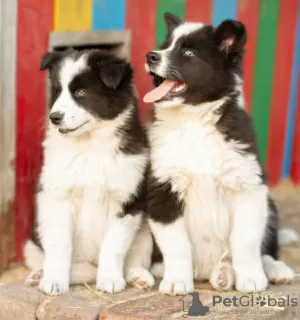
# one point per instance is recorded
(287, 198)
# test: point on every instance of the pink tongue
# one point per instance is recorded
(159, 92)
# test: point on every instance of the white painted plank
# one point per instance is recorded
(8, 43)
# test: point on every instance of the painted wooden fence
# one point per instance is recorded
(271, 68)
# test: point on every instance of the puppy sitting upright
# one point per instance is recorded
(208, 201)
(90, 206)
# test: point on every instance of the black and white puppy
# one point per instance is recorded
(208, 202)
(90, 206)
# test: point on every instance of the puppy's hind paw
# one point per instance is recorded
(140, 278)
(34, 278)
(222, 277)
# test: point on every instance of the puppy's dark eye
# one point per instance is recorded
(80, 93)
(188, 53)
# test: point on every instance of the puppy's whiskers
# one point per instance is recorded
(176, 73)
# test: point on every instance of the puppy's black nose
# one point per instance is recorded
(56, 117)
(153, 57)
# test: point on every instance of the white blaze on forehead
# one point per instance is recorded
(184, 30)
(71, 68)
(74, 115)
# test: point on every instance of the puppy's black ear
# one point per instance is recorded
(49, 59)
(231, 36)
(115, 72)
(172, 21)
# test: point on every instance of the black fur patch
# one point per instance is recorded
(34, 237)
(49, 60)
(270, 242)
(235, 124)
(133, 135)
(156, 253)
(172, 22)
(108, 83)
(163, 205)
(137, 203)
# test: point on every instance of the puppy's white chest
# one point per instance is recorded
(195, 152)
(104, 169)
(188, 150)
(71, 168)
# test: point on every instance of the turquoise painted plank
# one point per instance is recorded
(223, 9)
(109, 14)
(290, 128)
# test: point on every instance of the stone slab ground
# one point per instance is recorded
(18, 302)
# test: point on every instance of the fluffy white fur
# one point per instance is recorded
(177, 253)
(225, 203)
(85, 180)
(287, 236)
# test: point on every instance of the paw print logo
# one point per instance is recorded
(260, 301)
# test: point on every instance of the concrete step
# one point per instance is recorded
(18, 302)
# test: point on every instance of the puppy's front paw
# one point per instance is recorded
(54, 287)
(111, 285)
(251, 281)
(174, 288)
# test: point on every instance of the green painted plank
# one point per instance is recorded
(264, 72)
(174, 6)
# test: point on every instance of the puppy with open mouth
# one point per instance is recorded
(91, 201)
(208, 202)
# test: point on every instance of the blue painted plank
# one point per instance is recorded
(109, 14)
(223, 9)
(292, 105)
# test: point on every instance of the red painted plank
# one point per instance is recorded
(295, 169)
(285, 49)
(141, 20)
(32, 42)
(248, 13)
(199, 11)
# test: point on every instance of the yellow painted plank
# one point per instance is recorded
(72, 15)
